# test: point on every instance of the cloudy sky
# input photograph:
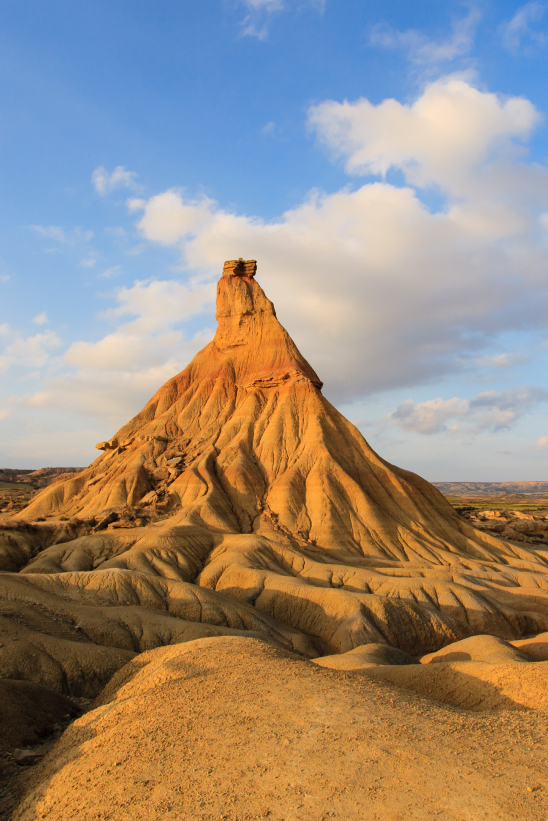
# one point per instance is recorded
(385, 162)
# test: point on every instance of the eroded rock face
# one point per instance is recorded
(240, 487)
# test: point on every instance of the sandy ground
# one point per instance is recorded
(234, 728)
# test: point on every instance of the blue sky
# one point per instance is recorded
(386, 163)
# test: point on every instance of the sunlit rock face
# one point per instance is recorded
(239, 499)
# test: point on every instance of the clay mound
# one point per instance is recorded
(235, 728)
(489, 649)
(536, 647)
(72, 632)
(364, 656)
(472, 685)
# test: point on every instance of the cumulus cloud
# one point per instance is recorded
(520, 27)
(167, 218)
(27, 352)
(423, 50)
(105, 182)
(490, 410)
(112, 378)
(124, 351)
(41, 319)
(541, 443)
(159, 304)
(428, 417)
(451, 133)
(117, 375)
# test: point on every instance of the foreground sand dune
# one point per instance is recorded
(235, 728)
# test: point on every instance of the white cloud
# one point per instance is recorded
(111, 272)
(160, 304)
(446, 137)
(113, 377)
(88, 262)
(124, 352)
(259, 12)
(168, 218)
(116, 376)
(104, 183)
(519, 27)
(502, 360)
(4, 278)
(5, 412)
(41, 319)
(29, 352)
(55, 232)
(490, 410)
(428, 417)
(421, 49)
(135, 204)
(541, 443)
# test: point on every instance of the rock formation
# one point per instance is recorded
(237, 506)
(240, 498)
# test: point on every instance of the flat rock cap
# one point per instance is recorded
(240, 268)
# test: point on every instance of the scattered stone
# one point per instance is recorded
(149, 498)
(104, 523)
(26, 757)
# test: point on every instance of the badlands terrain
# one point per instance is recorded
(255, 616)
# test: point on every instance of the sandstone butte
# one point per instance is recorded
(241, 518)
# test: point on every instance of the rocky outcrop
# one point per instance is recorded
(522, 526)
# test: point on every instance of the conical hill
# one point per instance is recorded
(240, 477)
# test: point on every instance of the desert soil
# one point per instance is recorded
(234, 728)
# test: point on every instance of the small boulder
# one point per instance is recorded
(104, 523)
(26, 757)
